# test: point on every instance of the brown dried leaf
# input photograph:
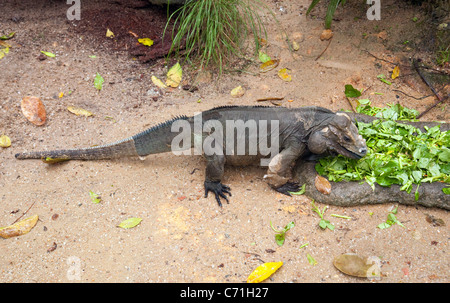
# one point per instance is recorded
(269, 65)
(322, 185)
(33, 109)
(19, 228)
(327, 34)
(354, 265)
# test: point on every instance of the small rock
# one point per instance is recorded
(298, 37)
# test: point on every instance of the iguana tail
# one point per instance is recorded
(118, 149)
(154, 140)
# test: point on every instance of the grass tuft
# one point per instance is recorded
(214, 31)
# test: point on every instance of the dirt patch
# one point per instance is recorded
(128, 21)
(184, 237)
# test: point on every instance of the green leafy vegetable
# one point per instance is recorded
(351, 92)
(322, 223)
(281, 234)
(98, 82)
(383, 79)
(300, 192)
(397, 153)
(391, 220)
(48, 54)
(446, 190)
(311, 260)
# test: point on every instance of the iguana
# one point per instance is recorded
(294, 132)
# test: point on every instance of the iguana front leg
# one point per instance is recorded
(214, 172)
(279, 172)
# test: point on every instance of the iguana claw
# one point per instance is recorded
(288, 187)
(218, 189)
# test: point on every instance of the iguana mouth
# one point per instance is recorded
(348, 153)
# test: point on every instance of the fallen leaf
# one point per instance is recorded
(7, 37)
(354, 265)
(263, 57)
(61, 94)
(237, 92)
(33, 109)
(174, 75)
(52, 248)
(269, 65)
(50, 160)
(158, 82)
(322, 185)
(48, 54)
(395, 72)
(94, 197)
(130, 223)
(79, 111)
(263, 271)
(19, 228)
(5, 141)
(109, 33)
(327, 34)
(146, 41)
(98, 81)
(133, 34)
(311, 260)
(382, 35)
(295, 46)
(284, 75)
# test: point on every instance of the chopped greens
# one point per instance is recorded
(397, 153)
(281, 234)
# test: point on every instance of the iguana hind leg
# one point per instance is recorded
(279, 172)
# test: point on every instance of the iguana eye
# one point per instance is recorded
(347, 139)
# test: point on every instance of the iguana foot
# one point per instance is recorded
(288, 187)
(218, 189)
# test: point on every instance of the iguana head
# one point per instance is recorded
(341, 136)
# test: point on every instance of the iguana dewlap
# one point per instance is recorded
(229, 135)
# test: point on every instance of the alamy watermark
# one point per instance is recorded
(374, 11)
(235, 138)
(74, 12)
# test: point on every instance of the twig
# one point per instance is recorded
(417, 98)
(24, 213)
(329, 42)
(440, 99)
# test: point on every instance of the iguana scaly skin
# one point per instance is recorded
(301, 131)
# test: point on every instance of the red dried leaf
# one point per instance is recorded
(33, 109)
(322, 185)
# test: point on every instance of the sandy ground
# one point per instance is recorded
(184, 237)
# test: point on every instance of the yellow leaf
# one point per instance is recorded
(50, 160)
(158, 82)
(61, 94)
(5, 141)
(146, 41)
(174, 75)
(19, 228)
(284, 75)
(237, 92)
(395, 72)
(130, 223)
(79, 111)
(109, 33)
(263, 271)
(269, 65)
